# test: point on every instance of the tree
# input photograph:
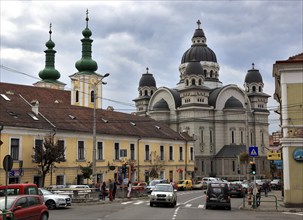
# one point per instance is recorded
(156, 165)
(47, 154)
(87, 171)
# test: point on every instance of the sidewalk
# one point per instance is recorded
(274, 202)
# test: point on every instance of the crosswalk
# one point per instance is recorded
(144, 202)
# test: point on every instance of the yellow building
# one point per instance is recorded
(288, 92)
(89, 134)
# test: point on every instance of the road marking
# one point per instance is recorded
(138, 203)
(294, 213)
(201, 206)
(188, 205)
(175, 213)
(124, 203)
(194, 199)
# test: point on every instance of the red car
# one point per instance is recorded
(139, 186)
(30, 207)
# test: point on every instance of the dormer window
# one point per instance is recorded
(193, 82)
(77, 96)
(92, 96)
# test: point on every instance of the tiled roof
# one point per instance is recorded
(293, 59)
(56, 110)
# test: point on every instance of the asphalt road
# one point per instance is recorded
(190, 206)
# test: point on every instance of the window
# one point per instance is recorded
(77, 96)
(232, 137)
(251, 138)
(180, 153)
(132, 151)
(147, 152)
(171, 153)
(32, 201)
(211, 136)
(117, 151)
(241, 134)
(81, 155)
(61, 144)
(37, 148)
(191, 154)
(234, 166)
(92, 96)
(123, 153)
(202, 165)
(161, 152)
(262, 138)
(15, 146)
(22, 202)
(100, 151)
(202, 135)
(60, 180)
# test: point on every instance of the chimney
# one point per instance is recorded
(35, 106)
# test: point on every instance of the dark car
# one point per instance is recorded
(217, 195)
(30, 207)
(236, 189)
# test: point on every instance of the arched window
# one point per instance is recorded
(205, 73)
(254, 88)
(211, 74)
(151, 93)
(92, 96)
(77, 96)
(260, 89)
(200, 82)
(145, 92)
(193, 82)
(232, 137)
(186, 82)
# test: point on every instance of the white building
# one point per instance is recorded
(224, 119)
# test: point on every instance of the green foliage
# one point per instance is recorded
(87, 171)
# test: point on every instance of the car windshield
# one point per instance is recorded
(153, 183)
(46, 192)
(163, 188)
(10, 202)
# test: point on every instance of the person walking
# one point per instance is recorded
(111, 188)
(103, 190)
(129, 188)
(114, 189)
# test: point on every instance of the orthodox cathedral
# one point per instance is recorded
(224, 120)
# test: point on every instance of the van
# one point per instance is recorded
(217, 195)
(185, 185)
(19, 189)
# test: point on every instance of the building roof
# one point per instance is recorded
(56, 112)
(231, 151)
(293, 59)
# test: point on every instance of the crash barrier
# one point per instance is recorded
(249, 200)
(7, 215)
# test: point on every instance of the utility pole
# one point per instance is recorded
(94, 154)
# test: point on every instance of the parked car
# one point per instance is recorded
(29, 207)
(139, 186)
(185, 185)
(236, 189)
(53, 201)
(163, 193)
(199, 185)
(19, 189)
(153, 183)
(276, 184)
(217, 195)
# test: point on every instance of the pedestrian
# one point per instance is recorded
(265, 187)
(114, 189)
(258, 196)
(129, 188)
(111, 188)
(103, 190)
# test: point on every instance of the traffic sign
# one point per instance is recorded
(253, 151)
(12, 173)
(8, 163)
(274, 156)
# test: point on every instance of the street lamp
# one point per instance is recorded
(94, 129)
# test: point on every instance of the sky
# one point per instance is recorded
(130, 36)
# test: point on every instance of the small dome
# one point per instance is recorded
(253, 75)
(87, 32)
(50, 44)
(147, 79)
(232, 102)
(161, 105)
(194, 68)
(49, 73)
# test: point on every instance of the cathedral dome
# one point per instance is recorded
(199, 50)
(253, 75)
(232, 102)
(194, 68)
(147, 79)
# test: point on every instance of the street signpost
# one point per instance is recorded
(253, 152)
(7, 165)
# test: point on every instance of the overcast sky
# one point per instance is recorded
(132, 35)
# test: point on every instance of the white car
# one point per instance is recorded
(163, 193)
(53, 201)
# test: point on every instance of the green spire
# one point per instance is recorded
(86, 64)
(49, 73)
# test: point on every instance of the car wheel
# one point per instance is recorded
(44, 217)
(228, 207)
(151, 204)
(50, 204)
(207, 207)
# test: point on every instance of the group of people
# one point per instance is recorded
(112, 189)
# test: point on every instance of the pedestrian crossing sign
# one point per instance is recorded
(253, 151)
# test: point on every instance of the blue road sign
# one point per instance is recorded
(12, 173)
(253, 151)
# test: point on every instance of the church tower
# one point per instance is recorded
(49, 74)
(86, 83)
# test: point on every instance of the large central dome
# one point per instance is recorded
(199, 51)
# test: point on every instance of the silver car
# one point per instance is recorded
(53, 201)
(163, 194)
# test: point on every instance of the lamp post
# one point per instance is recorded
(94, 129)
